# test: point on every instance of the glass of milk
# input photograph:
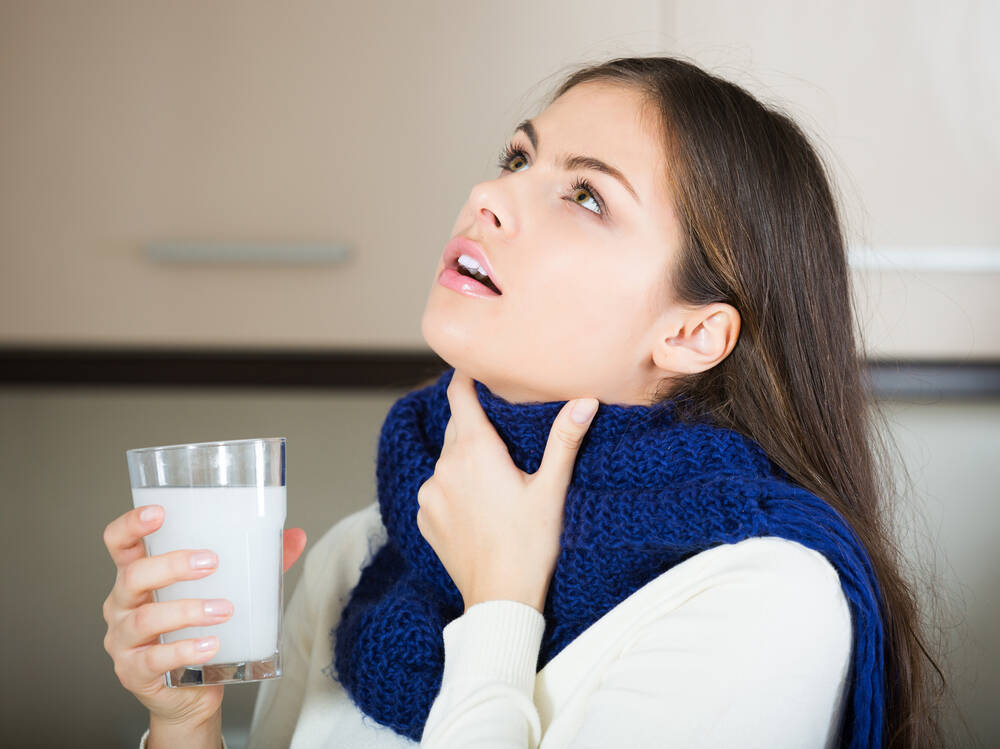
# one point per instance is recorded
(228, 497)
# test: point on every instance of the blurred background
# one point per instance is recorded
(221, 220)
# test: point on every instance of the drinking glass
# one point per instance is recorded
(229, 497)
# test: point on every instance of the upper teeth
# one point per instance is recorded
(471, 264)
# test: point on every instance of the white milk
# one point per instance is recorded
(243, 526)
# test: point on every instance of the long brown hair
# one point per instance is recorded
(761, 231)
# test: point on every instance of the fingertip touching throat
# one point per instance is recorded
(647, 491)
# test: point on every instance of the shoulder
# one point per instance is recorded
(781, 597)
(344, 549)
(367, 520)
(787, 575)
(775, 562)
(756, 639)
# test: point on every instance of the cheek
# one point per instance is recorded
(558, 286)
(574, 297)
(607, 272)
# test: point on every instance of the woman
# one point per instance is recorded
(703, 562)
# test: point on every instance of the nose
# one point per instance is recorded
(485, 214)
(491, 206)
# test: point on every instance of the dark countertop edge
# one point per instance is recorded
(373, 369)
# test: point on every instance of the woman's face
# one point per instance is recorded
(584, 273)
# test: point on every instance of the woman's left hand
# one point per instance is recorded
(495, 528)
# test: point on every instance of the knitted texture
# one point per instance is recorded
(647, 492)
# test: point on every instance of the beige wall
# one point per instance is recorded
(947, 464)
(62, 452)
(366, 124)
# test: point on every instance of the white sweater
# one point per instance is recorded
(744, 644)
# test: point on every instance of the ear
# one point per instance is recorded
(697, 339)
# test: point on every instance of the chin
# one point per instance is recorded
(456, 346)
(442, 339)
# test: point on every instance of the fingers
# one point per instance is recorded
(294, 540)
(449, 432)
(133, 644)
(141, 577)
(426, 499)
(464, 401)
(149, 621)
(565, 437)
(123, 535)
(144, 667)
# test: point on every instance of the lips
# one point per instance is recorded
(461, 245)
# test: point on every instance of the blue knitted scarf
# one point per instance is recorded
(647, 492)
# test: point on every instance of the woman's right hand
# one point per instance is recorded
(135, 621)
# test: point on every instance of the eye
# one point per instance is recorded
(581, 192)
(509, 153)
(583, 189)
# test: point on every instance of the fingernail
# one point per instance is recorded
(202, 560)
(150, 514)
(208, 643)
(218, 607)
(583, 410)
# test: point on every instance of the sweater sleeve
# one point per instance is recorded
(487, 687)
(145, 737)
(753, 653)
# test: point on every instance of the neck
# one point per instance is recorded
(525, 426)
(633, 394)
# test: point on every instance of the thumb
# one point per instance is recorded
(568, 431)
(293, 543)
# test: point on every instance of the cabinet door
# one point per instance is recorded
(275, 125)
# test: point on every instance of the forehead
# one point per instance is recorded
(617, 124)
(611, 122)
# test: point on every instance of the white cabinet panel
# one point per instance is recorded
(307, 123)
(902, 100)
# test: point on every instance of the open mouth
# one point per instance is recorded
(466, 266)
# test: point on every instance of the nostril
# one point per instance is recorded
(496, 221)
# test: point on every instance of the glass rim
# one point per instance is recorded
(195, 445)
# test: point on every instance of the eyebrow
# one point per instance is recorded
(576, 161)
